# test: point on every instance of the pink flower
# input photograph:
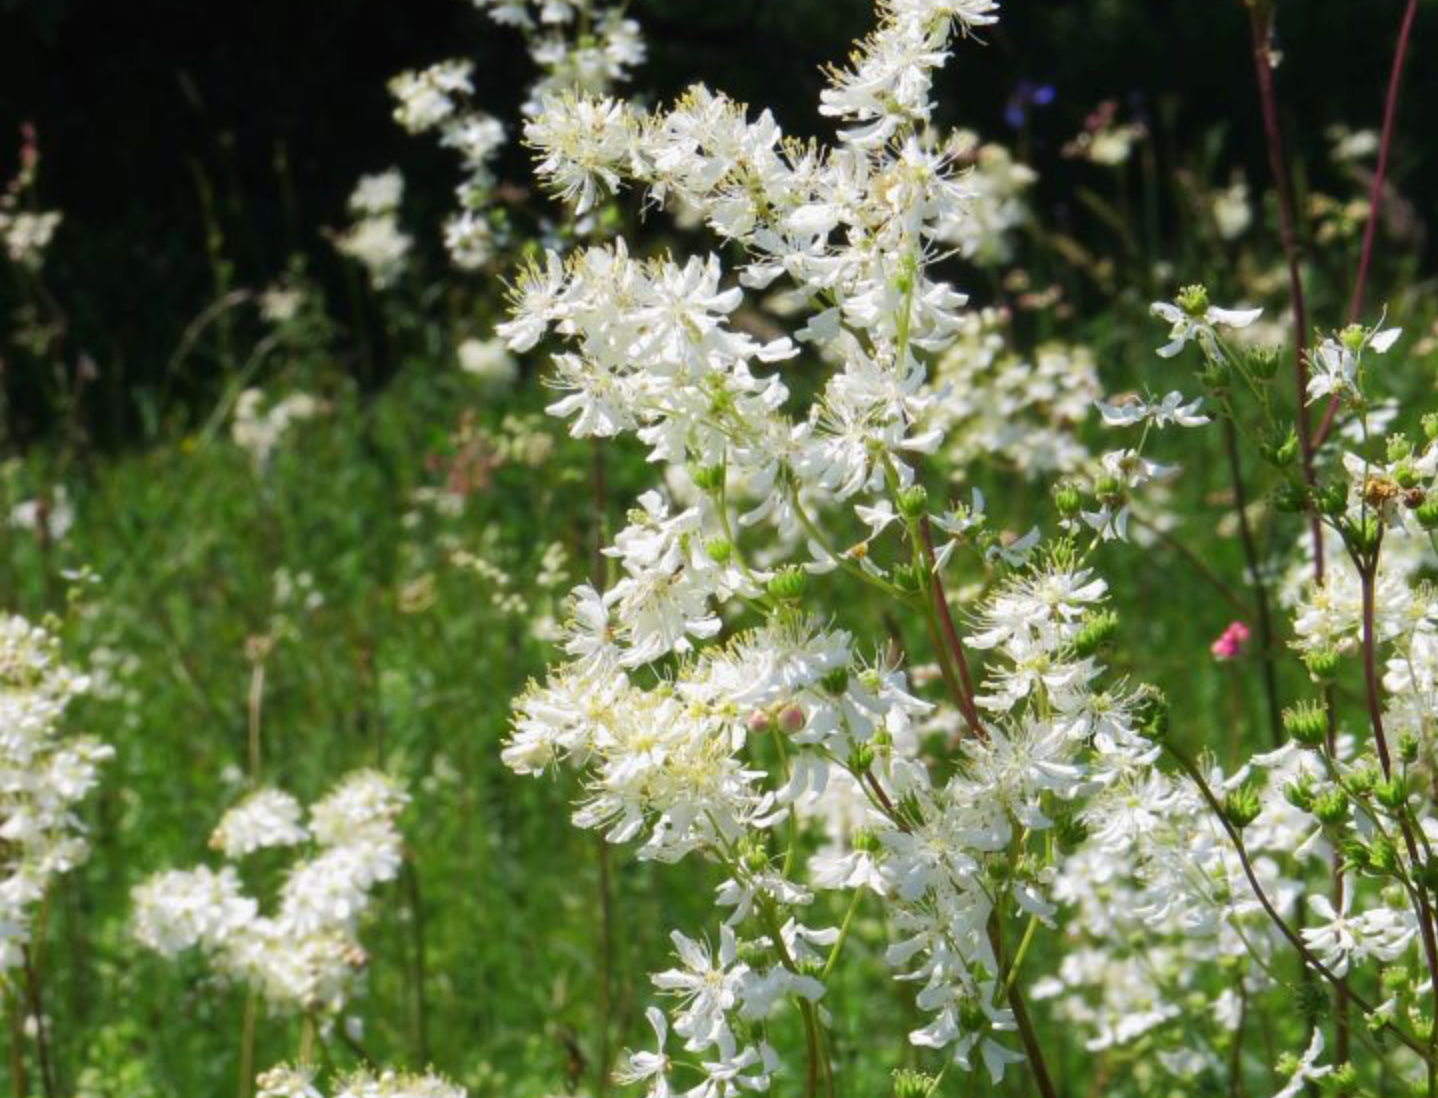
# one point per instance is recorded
(1230, 642)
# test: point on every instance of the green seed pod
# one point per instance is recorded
(1289, 498)
(1353, 336)
(861, 758)
(1299, 793)
(1408, 748)
(1282, 450)
(1383, 855)
(1151, 712)
(1333, 499)
(1399, 447)
(1427, 513)
(1430, 426)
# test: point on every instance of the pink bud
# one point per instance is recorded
(791, 719)
(1230, 643)
(758, 722)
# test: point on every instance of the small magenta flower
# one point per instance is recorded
(1230, 642)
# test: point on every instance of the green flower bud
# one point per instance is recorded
(1362, 780)
(707, 478)
(1282, 450)
(1427, 513)
(861, 757)
(1399, 447)
(913, 1084)
(1306, 723)
(1331, 807)
(1322, 665)
(1151, 712)
(1383, 855)
(787, 585)
(882, 740)
(1408, 748)
(1405, 476)
(1263, 362)
(1333, 499)
(1289, 498)
(1242, 806)
(1299, 793)
(1097, 630)
(1068, 500)
(913, 501)
(1430, 426)
(719, 549)
(1392, 793)
(1108, 487)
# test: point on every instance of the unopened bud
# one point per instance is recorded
(791, 719)
(913, 501)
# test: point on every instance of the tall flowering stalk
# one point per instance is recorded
(735, 750)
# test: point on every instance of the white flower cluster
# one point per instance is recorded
(575, 47)
(1020, 412)
(43, 778)
(259, 430)
(299, 1082)
(375, 240)
(306, 954)
(26, 232)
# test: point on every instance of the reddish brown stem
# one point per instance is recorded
(1375, 193)
(951, 634)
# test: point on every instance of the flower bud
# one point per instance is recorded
(1242, 806)
(1306, 723)
(791, 719)
(1333, 499)
(913, 1084)
(861, 757)
(758, 722)
(1408, 748)
(1289, 498)
(1068, 500)
(707, 478)
(1382, 855)
(1405, 476)
(1282, 450)
(1263, 363)
(1322, 665)
(1391, 793)
(1430, 426)
(1097, 630)
(1427, 513)
(1299, 793)
(1398, 447)
(719, 549)
(913, 501)
(1331, 807)
(787, 585)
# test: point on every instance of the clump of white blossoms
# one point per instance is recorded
(259, 430)
(25, 230)
(729, 750)
(578, 46)
(375, 240)
(303, 955)
(44, 776)
(299, 1082)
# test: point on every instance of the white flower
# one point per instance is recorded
(1199, 325)
(708, 986)
(1308, 1070)
(650, 1067)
